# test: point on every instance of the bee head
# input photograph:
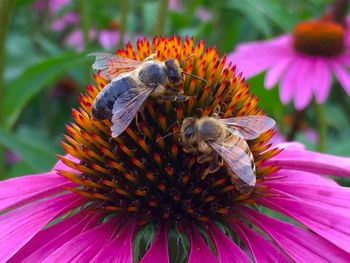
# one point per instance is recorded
(187, 130)
(174, 72)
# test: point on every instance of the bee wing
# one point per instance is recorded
(249, 127)
(237, 159)
(112, 65)
(126, 107)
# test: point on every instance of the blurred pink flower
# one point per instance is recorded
(42, 222)
(52, 5)
(75, 39)
(175, 5)
(67, 19)
(203, 14)
(303, 61)
(108, 39)
(56, 5)
(12, 157)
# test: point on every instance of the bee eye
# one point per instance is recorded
(173, 76)
(188, 132)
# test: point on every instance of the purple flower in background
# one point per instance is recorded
(75, 39)
(303, 61)
(52, 5)
(67, 19)
(108, 39)
(203, 14)
(175, 5)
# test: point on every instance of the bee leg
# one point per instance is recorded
(178, 98)
(151, 57)
(216, 112)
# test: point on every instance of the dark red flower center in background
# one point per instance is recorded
(142, 175)
(319, 38)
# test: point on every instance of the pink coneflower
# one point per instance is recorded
(141, 197)
(108, 39)
(303, 61)
(75, 39)
(67, 19)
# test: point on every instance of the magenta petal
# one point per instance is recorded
(21, 225)
(331, 223)
(119, 250)
(275, 72)
(158, 252)
(342, 75)
(262, 249)
(288, 88)
(299, 244)
(83, 247)
(295, 177)
(335, 196)
(40, 246)
(24, 189)
(200, 252)
(322, 80)
(320, 163)
(228, 251)
(303, 83)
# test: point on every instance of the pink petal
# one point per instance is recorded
(84, 247)
(329, 222)
(227, 249)
(313, 162)
(291, 176)
(303, 83)
(200, 252)
(20, 190)
(252, 58)
(335, 196)
(287, 88)
(262, 249)
(299, 244)
(40, 246)
(22, 224)
(342, 75)
(322, 80)
(158, 252)
(275, 72)
(119, 250)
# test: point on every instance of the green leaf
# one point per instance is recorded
(35, 79)
(258, 19)
(37, 156)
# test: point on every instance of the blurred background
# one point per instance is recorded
(43, 63)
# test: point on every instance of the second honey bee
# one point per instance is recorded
(212, 138)
(131, 83)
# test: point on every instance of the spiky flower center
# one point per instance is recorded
(145, 176)
(319, 38)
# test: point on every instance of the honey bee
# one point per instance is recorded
(211, 138)
(131, 83)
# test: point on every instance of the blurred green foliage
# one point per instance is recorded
(43, 76)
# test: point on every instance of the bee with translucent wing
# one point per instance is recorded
(131, 83)
(211, 138)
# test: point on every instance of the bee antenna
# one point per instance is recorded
(165, 136)
(189, 56)
(192, 75)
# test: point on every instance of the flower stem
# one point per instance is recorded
(297, 120)
(124, 10)
(5, 14)
(85, 24)
(338, 10)
(321, 127)
(85, 21)
(161, 17)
